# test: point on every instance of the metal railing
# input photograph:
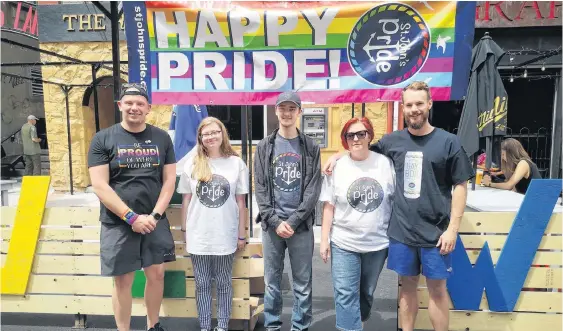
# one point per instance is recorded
(12, 136)
(537, 144)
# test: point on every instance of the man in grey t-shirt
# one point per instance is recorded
(31, 148)
(287, 175)
(287, 182)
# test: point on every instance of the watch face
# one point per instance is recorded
(156, 216)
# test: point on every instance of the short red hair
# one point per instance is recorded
(364, 120)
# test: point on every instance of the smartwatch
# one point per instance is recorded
(156, 215)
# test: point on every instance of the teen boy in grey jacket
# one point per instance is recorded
(287, 184)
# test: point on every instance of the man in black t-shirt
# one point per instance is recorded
(133, 172)
(426, 215)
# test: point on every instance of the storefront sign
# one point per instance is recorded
(248, 52)
(75, 22)
(29, 26)
(505, 14)
(321, 111)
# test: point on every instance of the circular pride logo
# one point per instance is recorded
(214, 193)
(287, 172)
(365, 194)
(389, 44)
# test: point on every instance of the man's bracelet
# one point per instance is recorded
(130, 217)
(242, 238)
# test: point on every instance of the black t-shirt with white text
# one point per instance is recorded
(427, 167)
(136, 165)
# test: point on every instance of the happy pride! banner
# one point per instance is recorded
(245, 53)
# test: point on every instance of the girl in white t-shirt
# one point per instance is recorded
(215, 219)
(356, 214)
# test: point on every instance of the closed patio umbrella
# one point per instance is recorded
(484, 112)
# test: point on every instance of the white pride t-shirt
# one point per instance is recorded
(362, 195)
(213, 213)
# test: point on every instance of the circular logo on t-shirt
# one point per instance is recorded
(389, 44)
(287, 172)
(365, 194)
(214, 193)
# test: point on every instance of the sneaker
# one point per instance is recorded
(157, 327)
(219, 329)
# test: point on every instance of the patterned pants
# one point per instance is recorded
(219, 267)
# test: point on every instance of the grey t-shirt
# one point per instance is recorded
(286, 165)
(427, 167)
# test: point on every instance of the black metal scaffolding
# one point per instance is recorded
(66, 89)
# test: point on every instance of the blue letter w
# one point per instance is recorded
(504, 282)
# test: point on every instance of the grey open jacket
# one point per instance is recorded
(304, 216)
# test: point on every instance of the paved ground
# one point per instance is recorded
(384, 316)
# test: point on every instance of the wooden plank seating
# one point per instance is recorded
(65, 273)
(539, 302)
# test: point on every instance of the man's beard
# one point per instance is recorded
(417, 125)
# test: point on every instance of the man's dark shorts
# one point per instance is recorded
(122, 250)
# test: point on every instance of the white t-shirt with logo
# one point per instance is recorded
(213, 213)
(362, 195)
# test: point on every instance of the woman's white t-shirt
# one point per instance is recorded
(362, 195)
(213, 214)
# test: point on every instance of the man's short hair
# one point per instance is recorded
(417, 86)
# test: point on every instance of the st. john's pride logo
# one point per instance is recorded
(389, 44)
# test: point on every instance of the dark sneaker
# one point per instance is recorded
(157, 327)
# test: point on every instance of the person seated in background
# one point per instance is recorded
(517, 167)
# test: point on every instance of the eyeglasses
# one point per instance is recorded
(210, 134)
(360, 134)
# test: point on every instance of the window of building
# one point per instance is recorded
(36, 87)
(10, 10)
(231, 118)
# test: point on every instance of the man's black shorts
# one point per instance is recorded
(122, 250)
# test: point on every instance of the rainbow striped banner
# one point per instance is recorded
(245, 53)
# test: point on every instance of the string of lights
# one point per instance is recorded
(511, 78)
(538, 55)
(529, 51)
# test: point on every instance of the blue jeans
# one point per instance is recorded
(300, 248)
(355, 277)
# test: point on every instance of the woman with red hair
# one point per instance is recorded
(357, 207)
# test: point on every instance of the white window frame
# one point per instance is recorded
(265, 132)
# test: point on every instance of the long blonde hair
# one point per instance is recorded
(515, 153)
(201, 170)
